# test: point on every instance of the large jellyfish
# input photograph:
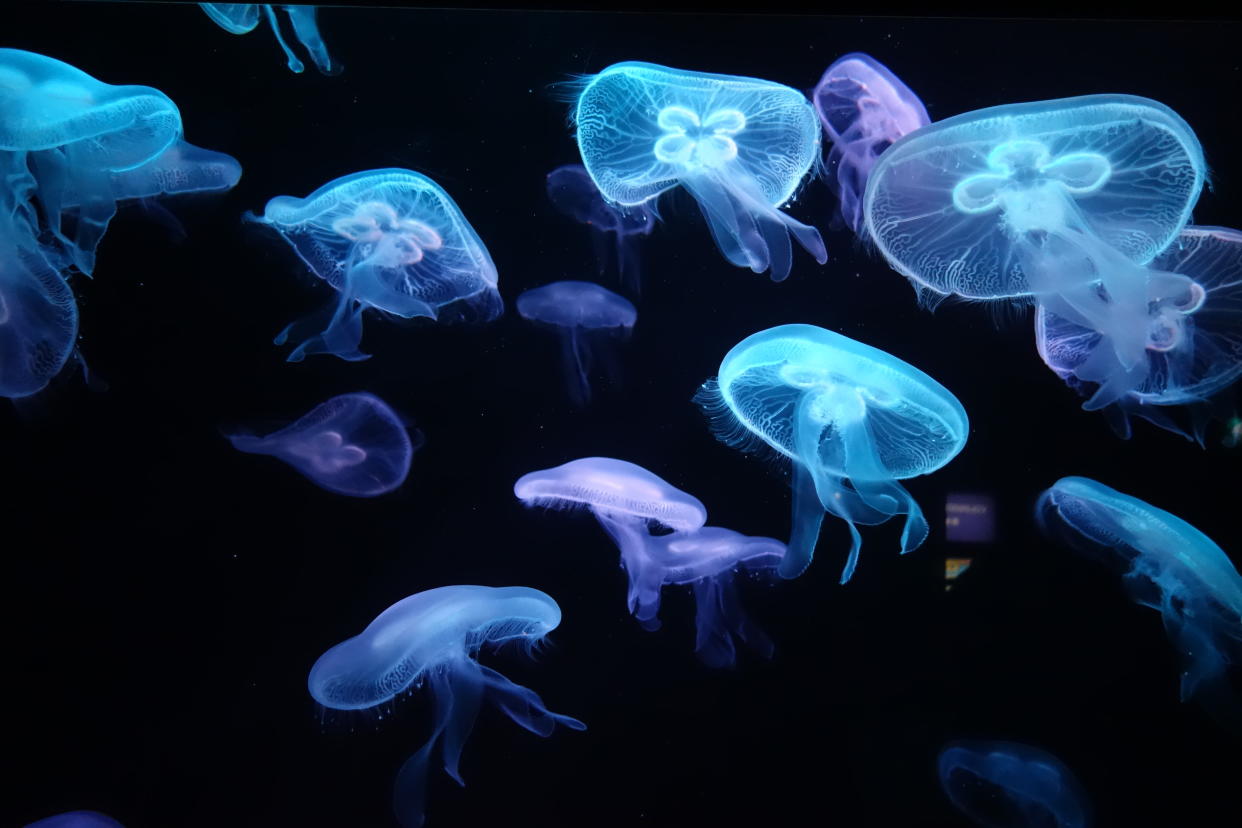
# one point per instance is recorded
(575, 194)
(241, 18)
(387, 239)
(741, 146)
(853, 420)
(431, 638)
(1168, 565)
(77, 819)
(353, 445)
(1011, 785)
(581, 313)
(864, 108)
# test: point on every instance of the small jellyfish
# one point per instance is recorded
(740, 146)
(431, 639)
(388, 239)
(1168, 565)
(1011, 785)
(575, 194)
(864, 108)
(240, 18)
(583, 314)
(853, 420)
(77, 819)
(353, 445)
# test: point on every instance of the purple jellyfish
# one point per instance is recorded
(575, 194)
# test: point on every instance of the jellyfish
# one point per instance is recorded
(864, 108)
(241, 18)
(1167, 565)
(353, 445)
(582, 314)
(740, 146)
(852, 419)
(77, 819)
(387, 239)
(575, 194)
(1011, 785)
(431, 639)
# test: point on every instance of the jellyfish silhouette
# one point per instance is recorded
(864, 108)
(740, 146)
(853, 420)
(77, 819)
(353, 445)
(387, 239)
(575, 194)
(1011, 785)
(431, 639)
(241, 18)
(1167, 565)
(583, 315)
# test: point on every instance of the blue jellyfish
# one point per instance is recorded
(853, 419)
(1168, 565)
(740, 146)
(353, 445)
(1010, 785)
(77, 819)
(431, 639)
(575, 194)
(387, 239)
(581, 313)
(240, 18)
(864, 108)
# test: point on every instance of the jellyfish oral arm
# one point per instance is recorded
(645, 578)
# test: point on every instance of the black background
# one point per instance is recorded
(166, 595)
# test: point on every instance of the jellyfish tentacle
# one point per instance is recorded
(643, 594)
(409, 795)
(719, 619)
(295, 65)
(307, 31)
(808, 516)
(523, 705)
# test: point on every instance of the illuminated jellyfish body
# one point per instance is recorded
(388, 239)
(740, 146)
(853, 420)
(575, 194)
(77, 819)
(864, 108)
(430, 639)
(1168, 565)
(1011, 785)
(582, 313)
(1195, 348)
(353, 445)
(241, 18)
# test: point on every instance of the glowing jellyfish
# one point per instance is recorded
(1168, 565)
(77, 819)
(575, 194)
(391, 240)
(853, 420)
(864, 108)
(431, 639)
(582, 314)
(353, 445)
(240, 18)
(1010, 785)
(741, 146)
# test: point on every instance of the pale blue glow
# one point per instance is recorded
(574, 193)
(853, 420)
(240, 18)
(77, 819)
(390, 239)
(430, 640)
(740, 146)
(1011, 785)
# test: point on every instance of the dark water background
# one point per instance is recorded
(167, 595)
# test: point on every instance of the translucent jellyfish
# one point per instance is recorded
(864, 108)
(740, 146)
(353, 445)
(1010, 785)
(77, 819)
(853, 420)
(431, 639)
(1168, 565)
(391, 240)
(575, 194)
(583, 314)
(240, 18)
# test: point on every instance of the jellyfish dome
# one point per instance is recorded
(1011, 785)
(574, 193)
(241, 18)
(392, 240)
(740, 146)
(853, 420)
(430, 639)
(77, 819)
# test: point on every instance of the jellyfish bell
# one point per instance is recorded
(76, 819)
(1012, 785)
(574, 193)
